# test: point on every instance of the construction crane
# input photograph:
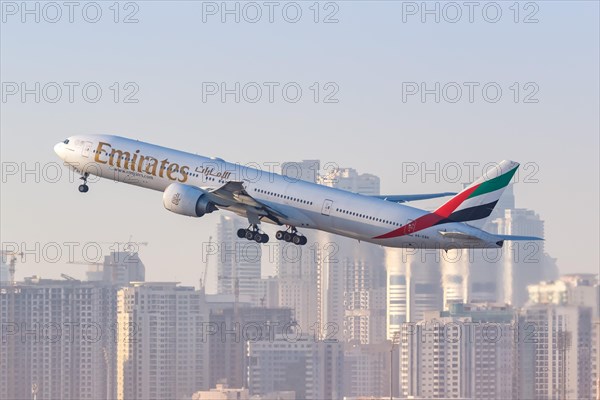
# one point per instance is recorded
(129, 246)
(68, 277)
(12, 264)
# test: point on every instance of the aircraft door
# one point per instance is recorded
(86, 149)
(410, 226)
(326, 210)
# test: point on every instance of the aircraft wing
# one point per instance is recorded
(402, 198)
(233, 194)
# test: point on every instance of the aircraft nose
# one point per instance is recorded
(59, 148)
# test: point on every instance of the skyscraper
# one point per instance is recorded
(366, 370)
(414, 286)
(298, 266)
(163, 352)
(573, 289)
(313, 369)
(580, 292)
(352, 276)
(523, 263)
(364, 294)
(397, 291)
(471, 275)
(297, 270)
(555, 352)
(227, 354)
(238, 261)
(119, 268)
(465, 352)
(58, 340)
(305, 170)
(349, 179)
(476, 275)
(3, 270)
(595, 392)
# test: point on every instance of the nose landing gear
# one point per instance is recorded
(83, 188)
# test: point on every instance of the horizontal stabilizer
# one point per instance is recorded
(459, 235)
(517, 237)
(402, 198)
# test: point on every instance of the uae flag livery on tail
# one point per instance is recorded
(479, 199)
(475, 202)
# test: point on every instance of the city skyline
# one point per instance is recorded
(470, 350)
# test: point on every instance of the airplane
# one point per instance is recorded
(194, 186)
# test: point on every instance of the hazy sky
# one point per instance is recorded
(373, 61)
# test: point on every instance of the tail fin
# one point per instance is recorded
(479, 199)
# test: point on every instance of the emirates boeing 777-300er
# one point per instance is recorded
(194, 185)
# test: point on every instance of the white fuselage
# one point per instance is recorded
(305, 204)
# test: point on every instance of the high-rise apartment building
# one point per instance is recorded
(367, 370)
(119, 268)
(414, 286)
(465, 352)
(233, 327)
(238, 261)
(58, 340)
(555, 352)
(564, 309)
(4, 278)
(298, 267)
(523, 263)
(163, 352)
(573, 289)
(313, 369)
(351, 276)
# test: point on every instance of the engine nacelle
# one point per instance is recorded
(187, 200)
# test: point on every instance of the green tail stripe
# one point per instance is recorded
(494, 184)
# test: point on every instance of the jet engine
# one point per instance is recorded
(187, 200)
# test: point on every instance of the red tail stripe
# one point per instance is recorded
(431, 219)
(448, 208)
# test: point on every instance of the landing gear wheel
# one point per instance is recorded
(288, 237)
(249, 235)
(279, 235)
(297, 239)
(303, 240)
(261, 237)
(241, 233)
(83, 188)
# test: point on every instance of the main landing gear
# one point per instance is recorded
(83, 188)
(253, 233)
(291, 236)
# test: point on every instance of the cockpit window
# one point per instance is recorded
(66, 141)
